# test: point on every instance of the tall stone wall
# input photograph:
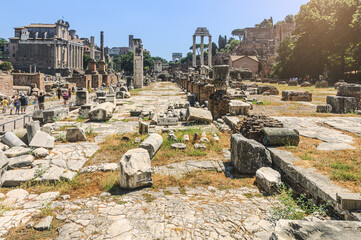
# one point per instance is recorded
(6, 84)
(28, 79)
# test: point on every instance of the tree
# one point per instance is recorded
(231, 45)
(126, 62)
(222, 41)
(327, 39)
(86, 59)
(198, 47)
(284, 68)
(266, 23)
(6, 66)
(187, 58)
(164, 61)
(148, 61)
(238, 32)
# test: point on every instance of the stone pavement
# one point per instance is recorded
(325, 129)
(172, 213)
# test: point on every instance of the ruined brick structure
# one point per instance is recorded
(29, 79)
(6, 84)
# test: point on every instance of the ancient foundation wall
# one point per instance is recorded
(6, 84)
(28, 79)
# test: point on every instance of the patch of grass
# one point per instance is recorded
(294, 207)
(4, 209)
(63, 128)
(113, 147)
(21, 232)
(125, 120)
(343, 167)
(201, 178)
(46, 210)
(84, 185)
(148, 197)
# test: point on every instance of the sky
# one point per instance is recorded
(165, 26)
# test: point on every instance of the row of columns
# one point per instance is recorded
(194, 59)
(72, 53)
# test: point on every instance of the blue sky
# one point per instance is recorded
(165, 26)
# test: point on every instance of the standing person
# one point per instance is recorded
(36, 103)
(12, 105)
(17, 105)
(5, 104)
(65, 97)
(41, 100)
(59, 93)
(24, 103)
(69, 91)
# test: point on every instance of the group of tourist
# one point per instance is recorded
(66, 95)
(19, 104)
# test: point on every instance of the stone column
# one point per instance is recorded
(102, 46)
(55, 54)
(194, 58)
(67, 55)
(202, 50)
(62, 56)
(76, 56)
(92, 47)
(82, 59)
(209, 51)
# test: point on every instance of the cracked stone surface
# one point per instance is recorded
(197, 213)
(333, 139)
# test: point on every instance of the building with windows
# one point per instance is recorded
(48, 48)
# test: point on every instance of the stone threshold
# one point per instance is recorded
(315, 184)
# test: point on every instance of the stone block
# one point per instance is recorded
(268, 88)
(14, 178)
(44, 224)
(135, 169)
(296, 96)
(53, 115)
(292, 83)
(268, 179)
(21, 161)
(321, 84)
(167, 121)
(82, 97)
(306, 84)
(84, 111)
(248, 155)
(280, 137)
(75, 134)
(40, 152)
(31, 128)
(349, 201)
(42, 140)
(38, 115)
(342, 104)
(152, 144)
(199, 115)
(237, 107)
(17, 151)
(103, 112)
(143, 128)
(327, 108)
(4, 162)
(110, 98)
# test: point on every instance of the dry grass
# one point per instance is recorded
(201, 178)
(83, 186)
(167, 155)
(21, 232)
(343, 167)
(113, 148)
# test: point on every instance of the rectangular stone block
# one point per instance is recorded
(342, 104)
(296, 96)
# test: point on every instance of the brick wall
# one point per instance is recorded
(6, 84)
(27, 79)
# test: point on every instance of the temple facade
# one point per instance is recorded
(48, 48)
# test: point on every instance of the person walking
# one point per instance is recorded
(69, 92)
(17, 106)
(12, 105)
(65, 97)
(36, 103)
(59, 93)
(24, 103)
(41, 100)
(5, 104)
